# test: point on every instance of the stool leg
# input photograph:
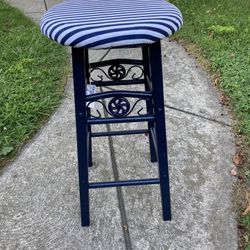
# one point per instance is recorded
(79, 76)
(145, 57)
(86, 59)
(160, 128)
(89, 142)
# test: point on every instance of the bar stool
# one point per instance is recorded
(102, 24)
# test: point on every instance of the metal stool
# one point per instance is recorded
(95, 24)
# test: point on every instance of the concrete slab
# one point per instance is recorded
(32, 9)
(200, 186)
(51, 3)
(186, 86)
(39, 192)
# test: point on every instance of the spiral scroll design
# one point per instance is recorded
(119, 107)
(117, 72)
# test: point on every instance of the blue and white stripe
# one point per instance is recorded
(110, 23)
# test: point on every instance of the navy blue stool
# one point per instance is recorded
(102, 24)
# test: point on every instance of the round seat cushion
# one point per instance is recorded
(110, 23)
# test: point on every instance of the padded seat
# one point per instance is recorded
(99, 24)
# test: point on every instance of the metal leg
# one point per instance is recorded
(79, 76)
(145, 56)
(89, 142)
(86, 58)
(160, 129)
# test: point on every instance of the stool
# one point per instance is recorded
(102, 24)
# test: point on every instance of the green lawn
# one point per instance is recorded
(32, 78)
(220, 31)
(221, 28)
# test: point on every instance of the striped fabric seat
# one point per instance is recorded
(101, 24)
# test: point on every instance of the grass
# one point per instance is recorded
(246, 220)
(32, 71)
(218, 30)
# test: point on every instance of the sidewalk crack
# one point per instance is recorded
(197, 115)
(188, 112)
(45, 5)
(121, 203)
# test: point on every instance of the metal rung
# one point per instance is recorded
(116, 61)
(145, 118)
(115, 83)
(119, 93)
(122, 132)
(124, 183)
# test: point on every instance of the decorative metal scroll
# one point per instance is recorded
(119, 107)
(117, 72)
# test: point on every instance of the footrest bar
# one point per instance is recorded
(124, 183)
(124, 132)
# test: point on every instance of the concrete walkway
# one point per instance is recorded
(39, 200)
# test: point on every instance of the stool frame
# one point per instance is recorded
(119, 110)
